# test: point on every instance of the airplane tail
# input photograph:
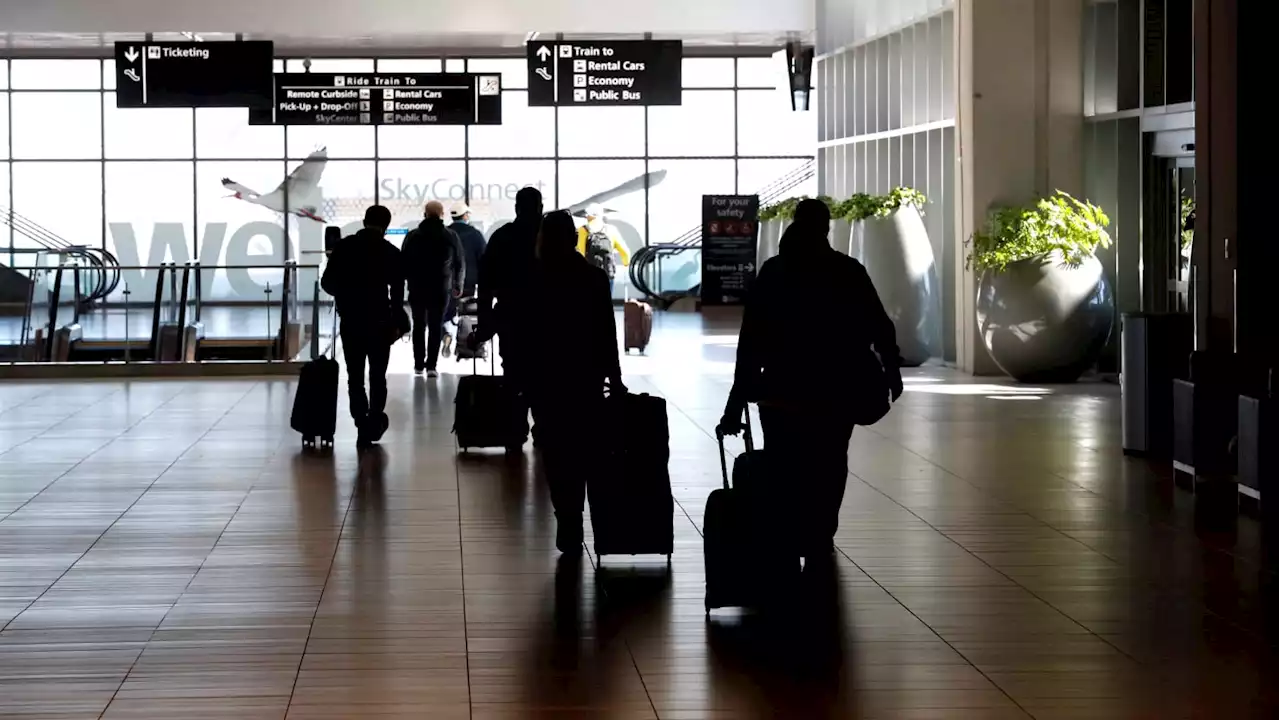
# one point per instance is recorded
(240, 192)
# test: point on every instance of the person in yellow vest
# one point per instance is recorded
(598, 241)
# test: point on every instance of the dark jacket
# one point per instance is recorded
(505, 272)
(433, 261)
(473, 245)
(364, 277)
(579, 294)
(810, 324)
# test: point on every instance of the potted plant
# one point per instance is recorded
(774, 220)
(1045, 309)
(889, 237)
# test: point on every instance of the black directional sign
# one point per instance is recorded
(729, 230)
(384, 99)
(590, 72)
(194, 74)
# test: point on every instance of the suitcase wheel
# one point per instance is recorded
(308, 441)
(326, 442)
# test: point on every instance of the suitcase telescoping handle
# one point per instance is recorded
(475, 356)
(746, 438)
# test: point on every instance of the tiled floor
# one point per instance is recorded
(165, 552)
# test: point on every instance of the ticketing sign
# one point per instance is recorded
(194, 74)
(384, 99)
(590, 72)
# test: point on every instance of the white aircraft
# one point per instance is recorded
(300, 190)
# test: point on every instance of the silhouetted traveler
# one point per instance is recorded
(568, 397)
(473, 245)
(505, 272)
(365, 279)
(434, 268)
(808, 366)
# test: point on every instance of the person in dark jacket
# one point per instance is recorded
(473, 245)
(806, 367)
(434, 268)
(503, 302)
(568, 397)
(364, 277)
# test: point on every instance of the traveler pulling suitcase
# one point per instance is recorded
(746, 565)
(637, 325)
(315, 403)
(630, 499)
(488, 413)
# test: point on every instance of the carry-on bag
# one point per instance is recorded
(746, 563)
(630, 496)
(489, 413)
(315, 403)
(637, 325)
(467, 325)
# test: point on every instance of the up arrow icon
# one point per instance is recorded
(131, 54)
(543, 53)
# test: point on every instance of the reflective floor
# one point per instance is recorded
(166, 552)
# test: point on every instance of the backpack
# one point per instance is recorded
(600, 251)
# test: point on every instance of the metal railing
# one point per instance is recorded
(106, 268)
(59, 301)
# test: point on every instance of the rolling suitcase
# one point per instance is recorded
(745, 565)
(637, 325)
(630, 500)
(315, 404)
(488, 413)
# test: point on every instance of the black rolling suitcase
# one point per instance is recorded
(745, 542)
(488, 412)
(630, 498)
(315, 404)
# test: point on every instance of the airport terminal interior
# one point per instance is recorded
(1068, 514)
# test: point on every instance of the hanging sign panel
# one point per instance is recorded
(729, 230)
(592, 73)
(194, 74)
(384, 99)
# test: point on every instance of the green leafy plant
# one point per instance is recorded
(782, 209)
(1058, 223)
(863, 206)
(1187, 221)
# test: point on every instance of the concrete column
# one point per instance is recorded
(1020, 112)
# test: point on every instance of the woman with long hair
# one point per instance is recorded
(570, 299)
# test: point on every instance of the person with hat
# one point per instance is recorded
(598, 241)
(473, 245)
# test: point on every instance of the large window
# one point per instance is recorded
(150, 215)
(149, 133)
(56, 126)
(156, 184)
(494, 184)
(405, 186)
(63, 197)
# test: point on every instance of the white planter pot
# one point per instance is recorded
(899, 258)
(770, 236)
(840, 237)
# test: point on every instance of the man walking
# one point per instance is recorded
(434, 268)
(473, 245)
(364, 277)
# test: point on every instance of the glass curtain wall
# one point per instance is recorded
(176, 185)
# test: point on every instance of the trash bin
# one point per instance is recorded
(1154, 350)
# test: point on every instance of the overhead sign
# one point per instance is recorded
(194, 74)
(384, 99)
(591, 72)
(729, 230)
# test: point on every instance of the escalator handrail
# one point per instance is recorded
(106, 262)
(53, 314)
(155, 310)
